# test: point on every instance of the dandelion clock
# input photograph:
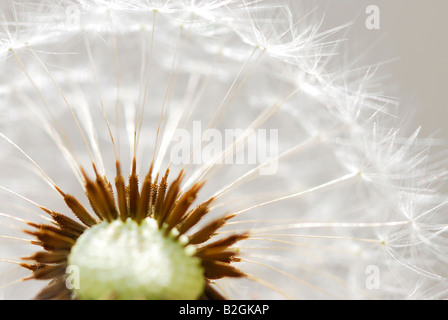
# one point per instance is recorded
(206, 150)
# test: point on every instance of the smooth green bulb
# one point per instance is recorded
(125, 260)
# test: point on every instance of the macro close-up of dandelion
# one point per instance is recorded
(232, 149)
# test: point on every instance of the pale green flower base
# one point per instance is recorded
(124, 260)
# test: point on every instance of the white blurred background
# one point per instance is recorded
(416, 33)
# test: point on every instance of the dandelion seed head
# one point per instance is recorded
(99, 92)
(165, 267)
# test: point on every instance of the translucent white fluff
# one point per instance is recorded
(353, 210)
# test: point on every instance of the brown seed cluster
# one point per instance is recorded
(156, 199)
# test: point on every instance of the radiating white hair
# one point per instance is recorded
(353, 210)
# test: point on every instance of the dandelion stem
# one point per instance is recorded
(26, 199)
(66, 102)
(51, 182)
(202, 172)
(268, 285)
(14, 218)
(13, 282)
(39, 93)
(330, 225)
(92, 64)
(139, 123)
(16, 238)
(262, 235)
(298, 280)
(301, 193)
(164, 103)
(255, 170)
